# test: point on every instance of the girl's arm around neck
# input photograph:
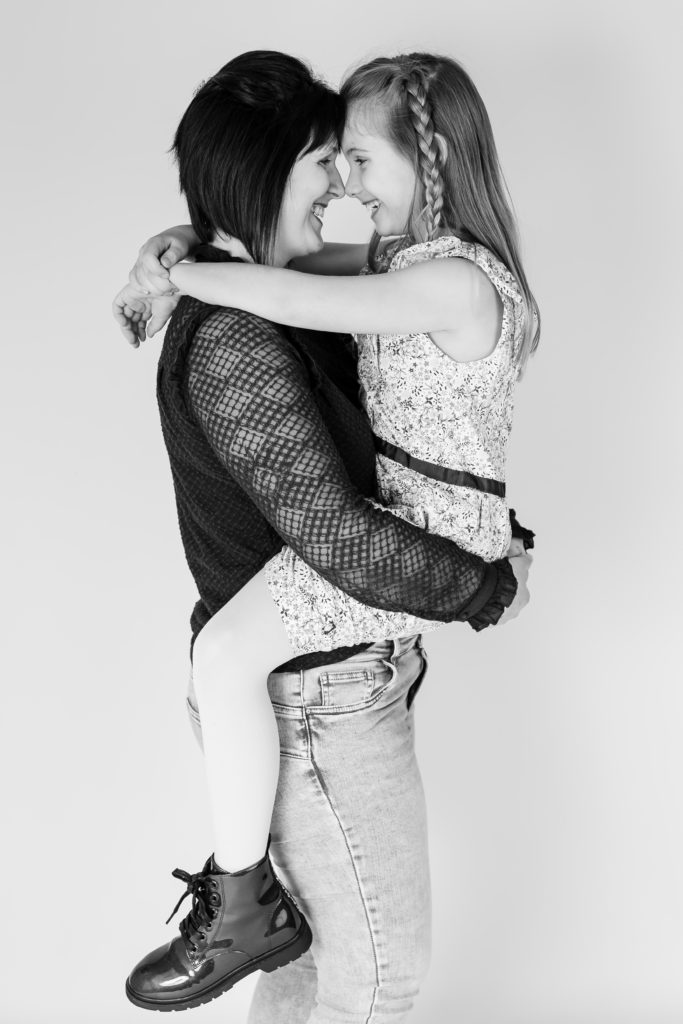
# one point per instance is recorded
(429, 296)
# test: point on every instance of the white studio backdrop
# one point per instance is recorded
(550, 749)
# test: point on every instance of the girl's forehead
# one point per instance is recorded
(364, 123)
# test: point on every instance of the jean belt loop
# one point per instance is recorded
(302, 689)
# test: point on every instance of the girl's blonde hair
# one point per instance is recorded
(461, 190)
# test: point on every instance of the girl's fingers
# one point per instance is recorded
(130, 335)
(119, 315)
(153, 284)
(152, 266)
(152, 275)
(131, 312)
(174, 254)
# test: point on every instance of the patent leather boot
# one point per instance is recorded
(239, 923)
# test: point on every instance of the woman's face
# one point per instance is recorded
(314, 181)
(380, 177)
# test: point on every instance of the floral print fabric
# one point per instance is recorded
(454, 414)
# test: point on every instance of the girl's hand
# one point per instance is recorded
(139, 315)
(158, 255)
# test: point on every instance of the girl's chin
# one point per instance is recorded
(384, 227)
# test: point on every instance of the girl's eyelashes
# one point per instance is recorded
(359, 160)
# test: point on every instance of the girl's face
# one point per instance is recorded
(313, 182)
(380, 177)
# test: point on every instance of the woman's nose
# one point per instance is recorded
(336, 185)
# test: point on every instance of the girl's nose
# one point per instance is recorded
(352, 184)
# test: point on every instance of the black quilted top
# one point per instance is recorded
(268, 445)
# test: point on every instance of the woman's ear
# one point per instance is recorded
(443, 148)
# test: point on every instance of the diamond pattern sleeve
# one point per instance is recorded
(251, 392)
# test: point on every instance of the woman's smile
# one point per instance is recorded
(318, 211)
(313, 183)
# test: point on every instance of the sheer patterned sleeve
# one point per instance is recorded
(252, 395)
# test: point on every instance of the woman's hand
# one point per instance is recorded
(140, 315)
(516, 548)
(158, 255)
(520, 560)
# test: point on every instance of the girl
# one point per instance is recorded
(444, 323)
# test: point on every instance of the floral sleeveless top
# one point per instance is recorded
(433, 412)
(448, 413)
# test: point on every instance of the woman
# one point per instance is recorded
(348, 828)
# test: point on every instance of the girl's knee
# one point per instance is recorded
(215, 643)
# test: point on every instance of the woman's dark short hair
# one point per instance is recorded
(239, 139)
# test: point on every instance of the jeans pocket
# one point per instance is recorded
(412, 692)
(353, 690)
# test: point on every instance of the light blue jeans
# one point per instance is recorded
(349, 840)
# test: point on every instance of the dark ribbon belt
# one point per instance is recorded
(446, 476)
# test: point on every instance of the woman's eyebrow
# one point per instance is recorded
(355, 149)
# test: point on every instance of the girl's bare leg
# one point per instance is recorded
(232, 658)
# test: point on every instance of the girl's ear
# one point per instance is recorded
(443, 148)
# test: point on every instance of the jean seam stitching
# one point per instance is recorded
(340, 709)
(373, 941)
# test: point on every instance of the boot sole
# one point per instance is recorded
(295, 948)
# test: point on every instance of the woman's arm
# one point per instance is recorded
(252, 395)
(435, 295)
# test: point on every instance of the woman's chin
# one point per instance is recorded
(316, 238)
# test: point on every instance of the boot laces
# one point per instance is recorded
(201, 914)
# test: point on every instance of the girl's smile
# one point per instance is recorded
(380, 177)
